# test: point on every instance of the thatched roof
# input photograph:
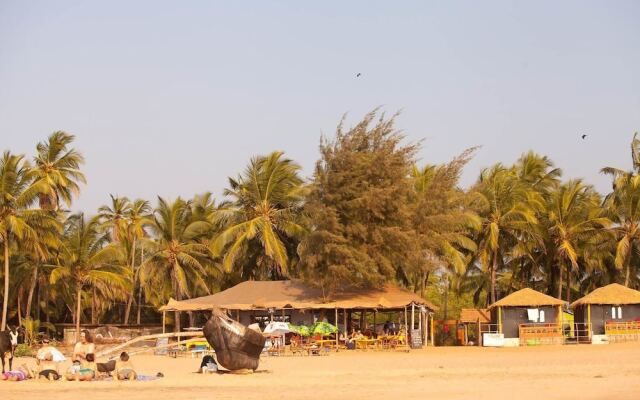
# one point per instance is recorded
(610, 294)
(468, 315)
(260, 295)
(527, 297)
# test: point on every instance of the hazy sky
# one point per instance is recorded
(172, 97)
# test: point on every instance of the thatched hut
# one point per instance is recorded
(528, 315)
(612, 310)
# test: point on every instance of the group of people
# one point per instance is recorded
(83, 367)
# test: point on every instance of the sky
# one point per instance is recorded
(170, 98)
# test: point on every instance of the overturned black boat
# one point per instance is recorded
(237, 347)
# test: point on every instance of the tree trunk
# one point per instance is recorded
(494, 267)
(176, 292)
(93, 305)
(133, 286)
(627, 277)
(78, 305)
(446, 299)
(569, 285)
(560, 281)
(32, 289)
(37, 313)
(140, 286)
(5, 299)
(18, 304)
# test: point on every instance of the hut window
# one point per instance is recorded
(619, 312)
(541, 316)
(613, 313)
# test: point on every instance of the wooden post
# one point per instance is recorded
(406, 323)
(589, 330)
(164, 316)
(238, 315)
(560, 320)
(346, 327)
(479, 338)
(499, 319)
(433, 330)
(338, 331)
(413, 317)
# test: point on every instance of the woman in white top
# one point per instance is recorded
(83, 347)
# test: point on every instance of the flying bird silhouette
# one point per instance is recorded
(358, 75)
(584, 136)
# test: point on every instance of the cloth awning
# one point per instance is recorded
(261, 295)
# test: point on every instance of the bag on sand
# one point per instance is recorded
(236, 346)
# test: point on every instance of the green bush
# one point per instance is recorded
(23, 350)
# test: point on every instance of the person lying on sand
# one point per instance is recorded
(124, 368)
(47, 367)
(19, 374)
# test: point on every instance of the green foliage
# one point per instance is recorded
(360, 208)
(23, 350)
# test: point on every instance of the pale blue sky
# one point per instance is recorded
(170, 97)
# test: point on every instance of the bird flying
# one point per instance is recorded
(584, 136)
(358, 75)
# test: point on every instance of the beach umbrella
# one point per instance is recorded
(323, 328)
(276, 328)
(301, 330)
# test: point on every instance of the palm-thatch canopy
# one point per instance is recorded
(468, 315)
(611, 294)
(527, 297)
(260, 295)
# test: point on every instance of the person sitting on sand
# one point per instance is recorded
(208, 365)
(19, 374)
(124, 368)
(88, 370)
(84, 347)
(73, 373)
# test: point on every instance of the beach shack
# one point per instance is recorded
(471, 321)
(296, 302)
(612, 310)
(528, 317)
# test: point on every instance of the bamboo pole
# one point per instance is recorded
(149, 337)
(433, 330)
(164, 346)
(338, 331)
(406, 323)
(499, 319)
(164, 317)
(589, 330)
(413, 317)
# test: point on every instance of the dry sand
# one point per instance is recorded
(542, 373)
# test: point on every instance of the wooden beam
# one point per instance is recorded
(149, 337)
(499, 319)
(164, 316)
(588, 327)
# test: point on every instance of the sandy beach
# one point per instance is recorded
(550, 372)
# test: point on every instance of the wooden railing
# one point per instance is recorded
(533, 334)
(622, 331)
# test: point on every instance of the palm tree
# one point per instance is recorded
(138, 217)
(507, 208)
(114, 217)
(85, 259)
(57, 170)
(264, 214)
(18, 224)
(176, 254)
(623, 207)
(575, 217)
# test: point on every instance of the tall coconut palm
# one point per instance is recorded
(176, 254)
(87, 259)
(113, 217)
(507, 208)
(57, 170)
(138, 217)
(623, 207)
(575, 217)
(264, 214)
(18, 224)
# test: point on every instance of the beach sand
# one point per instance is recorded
(542, 373)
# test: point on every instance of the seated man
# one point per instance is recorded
(124, 368)
(208, 365)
